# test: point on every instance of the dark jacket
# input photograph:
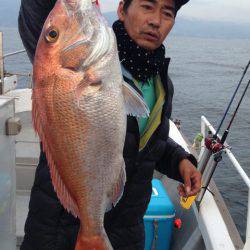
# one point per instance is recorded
(49, 226)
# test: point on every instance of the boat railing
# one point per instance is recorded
(206, 125)
(13, 53)
(7, 84)
(1, 64)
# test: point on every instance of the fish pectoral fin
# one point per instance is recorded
(88, 85)
(134, 103)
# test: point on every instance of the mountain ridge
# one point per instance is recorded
(200, 28)
(182, 27)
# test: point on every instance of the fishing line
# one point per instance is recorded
(229, 105)
(234, 114)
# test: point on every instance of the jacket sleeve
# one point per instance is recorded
(174, 153)
(169, 163)
(32, 15)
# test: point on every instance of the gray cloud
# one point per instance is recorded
(213, 10)
(219, 10)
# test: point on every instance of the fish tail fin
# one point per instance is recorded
(98, 242)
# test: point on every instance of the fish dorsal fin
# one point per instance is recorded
(134, 103)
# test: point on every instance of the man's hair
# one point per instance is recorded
(126, 4)
(178, 4)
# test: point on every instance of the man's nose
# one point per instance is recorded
(155, 20)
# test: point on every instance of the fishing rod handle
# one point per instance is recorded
(186, 202)
(223, 138)
(209, 141)
(206, 178)
(204, 160)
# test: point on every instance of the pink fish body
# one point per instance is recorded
(80, 104)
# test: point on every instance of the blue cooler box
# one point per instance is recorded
(159, 219)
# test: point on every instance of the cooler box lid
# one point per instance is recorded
(160, 205)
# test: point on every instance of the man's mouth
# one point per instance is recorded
(151, 36)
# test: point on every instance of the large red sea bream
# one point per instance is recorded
(80, 104)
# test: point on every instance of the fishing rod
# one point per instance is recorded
(209, 140)
(217, 152)
(230, 103)
(214, 145)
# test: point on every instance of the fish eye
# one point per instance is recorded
(52, 36)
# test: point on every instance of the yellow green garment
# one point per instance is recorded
(154, 95)
(148, 91)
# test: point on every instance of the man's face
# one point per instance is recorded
(148, 22)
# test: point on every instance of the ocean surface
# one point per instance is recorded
(205, 73)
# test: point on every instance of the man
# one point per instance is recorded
(142, 27)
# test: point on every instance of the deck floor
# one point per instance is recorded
(22, 204)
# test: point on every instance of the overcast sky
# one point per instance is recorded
(237, 11)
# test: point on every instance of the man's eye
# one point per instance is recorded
(168, 14)
(147, 7)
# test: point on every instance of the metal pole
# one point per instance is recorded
(203, 132)
(14, 53)
(1, 64)
(247, 243)
(204, 159)
(206, 178)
